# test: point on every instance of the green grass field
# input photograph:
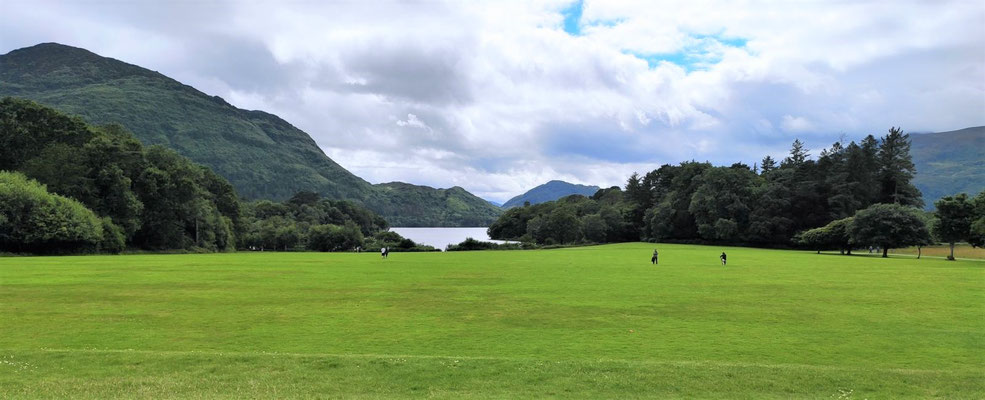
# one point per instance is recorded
(590, 322)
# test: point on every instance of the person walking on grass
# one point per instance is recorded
(654, 258)
(723, 257)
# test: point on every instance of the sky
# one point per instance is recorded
(500, 96)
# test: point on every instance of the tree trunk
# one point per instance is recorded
(951, 257)
(885, 252)
(919, 250)
(849, 251)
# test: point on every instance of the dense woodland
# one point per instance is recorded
(69, 187)
(774, 203)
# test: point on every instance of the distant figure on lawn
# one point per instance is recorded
(384, 252)
(723, 257)
(654, 258)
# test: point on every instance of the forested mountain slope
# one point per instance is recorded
(263, 156)
(949, 163)
(550, 191)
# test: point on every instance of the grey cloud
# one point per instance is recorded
(403, 70)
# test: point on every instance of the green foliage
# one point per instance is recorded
(29, 128)
(114, 238)
(595, 228)
(155, 198)
(697, 202)
(36, 221)
(833, 236)
(896, 170)
(261, 155)
(954, 218)
(335, 238)
(470, 244)
(394, 242)
(977, 236)
(289, 225)
(889, 226)
(722, 203)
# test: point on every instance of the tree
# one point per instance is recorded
(771, 219)
(537, 229)
(896, 169)
(833, 236)
(26, 128)
(304, 197)
(889, 226)
(335, 238)
(954, 218)
(721, 203)
(767, 165)
(564, 226)
(639, 199)
(594, 227)
(798, 155)
(977, 235)
(37, 221)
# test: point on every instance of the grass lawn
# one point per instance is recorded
(591, 322)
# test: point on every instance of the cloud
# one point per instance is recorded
(499, 97)
(796, 124)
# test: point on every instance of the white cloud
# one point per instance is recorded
(412, 120)
(497, 98)
(796, 124)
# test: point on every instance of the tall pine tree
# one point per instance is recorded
(896, 170)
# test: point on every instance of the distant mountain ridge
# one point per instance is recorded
(949, 163)
(263, 156)
(550, 191)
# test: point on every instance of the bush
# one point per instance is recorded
(334, 238)
(36, 221)
(471, 244)
(114, 239)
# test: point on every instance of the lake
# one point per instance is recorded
(440, 238)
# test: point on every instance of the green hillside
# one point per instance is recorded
(949, 162)
(263, 156)
(550, 191)
(397, 201)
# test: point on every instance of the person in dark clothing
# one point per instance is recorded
(654, 258)
(723, 257)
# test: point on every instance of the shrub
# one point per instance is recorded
(40, 222)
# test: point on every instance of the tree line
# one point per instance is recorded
(774, 203)
(67, 187)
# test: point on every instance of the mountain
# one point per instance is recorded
(550, 191)
(454, 204)
(263, 156)
(949, 163)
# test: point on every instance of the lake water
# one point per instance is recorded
(440, 238)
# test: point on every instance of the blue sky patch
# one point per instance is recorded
(696, 57)
(572, 17)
